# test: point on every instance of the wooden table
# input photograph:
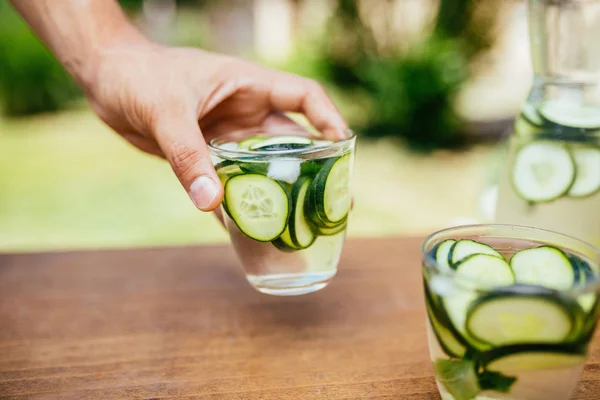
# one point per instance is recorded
(183, 323)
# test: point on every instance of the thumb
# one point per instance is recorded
(183, 145)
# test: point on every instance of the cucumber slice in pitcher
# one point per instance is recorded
(587, 165)
(570, 114)
(530, 113)
(258, 205)
(543, 171)
(522, 314)
(545, 266)
(466, 247)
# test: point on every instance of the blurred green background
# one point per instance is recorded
(431, 87)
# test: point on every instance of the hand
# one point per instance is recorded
(171, 101)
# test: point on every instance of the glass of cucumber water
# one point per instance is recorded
(286, 204)
(510, 311)
(552, 174)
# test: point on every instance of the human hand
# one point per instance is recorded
(171, 101)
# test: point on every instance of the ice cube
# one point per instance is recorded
(286, 170)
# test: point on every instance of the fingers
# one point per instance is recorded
(183, 145)
(296, 94)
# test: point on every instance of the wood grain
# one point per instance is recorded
(183, 323)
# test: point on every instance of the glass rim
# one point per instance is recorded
(235, 153)
(429, 259)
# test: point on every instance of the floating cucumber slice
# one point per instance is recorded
(325, 231)
(258, 205)
(449, 342)
(584, 273)
(545, 266)
(531, 315)
(466, 247)
(246, 143)
(543, 171)
(570, 114)
(530, 357)
(282, 143)
(285, 243)
(449, 339)
(330, 191)
(530, 113)
(477, 268)
(442, 253)
(587, 178)
(300, 231)
(488, 269)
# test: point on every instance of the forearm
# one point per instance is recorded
(78, 31)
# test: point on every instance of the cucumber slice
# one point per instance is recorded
(578, 274)
(282, 143)
(227, 171)
(300, 231)
(246, 143)
(543, 171)
(325, 231)
(466, 247)
(531, 357)
(442, 253)
(450, 344)
(587, 178)
(258, 205)
(477, 268)
(522, 315)
(585, 273)
(451, 341)
(285, 243)
(330, 191)
(545, 266)
(484, 269)
(570, 114)
(531, 115)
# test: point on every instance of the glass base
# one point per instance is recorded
(291, 284)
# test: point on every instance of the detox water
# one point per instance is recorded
(551, 178)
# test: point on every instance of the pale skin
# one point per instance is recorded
(170, 101)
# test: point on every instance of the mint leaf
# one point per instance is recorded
(458, 377)
(490, 380)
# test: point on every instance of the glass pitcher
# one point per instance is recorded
(552, 176)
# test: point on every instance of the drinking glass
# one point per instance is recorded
(286, 204)
(510, 311)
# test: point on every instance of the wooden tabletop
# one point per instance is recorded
(183, 323)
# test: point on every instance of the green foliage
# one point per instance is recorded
(31, 79)
(410, 94)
